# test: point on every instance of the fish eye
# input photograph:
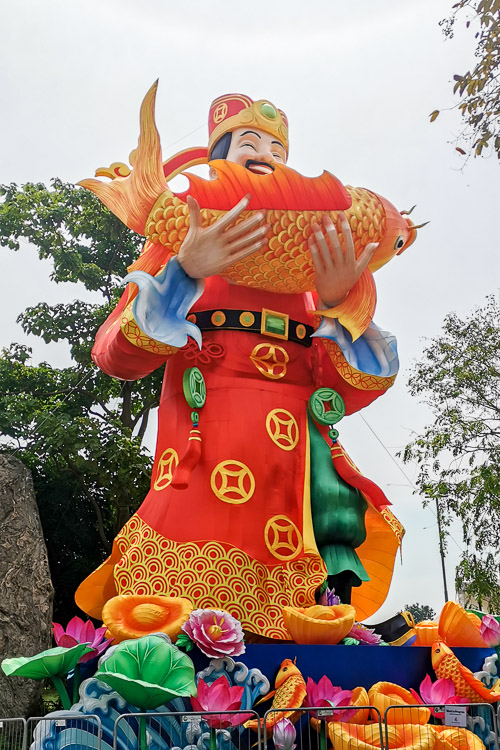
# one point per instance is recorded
(399, 243)
(437, 651)
(284, 669)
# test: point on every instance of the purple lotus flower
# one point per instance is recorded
(441, 692)
(364, 634)
(284, 735)
(328, 598)
(324, 694)
(220, 696)
(215, 632)
(78, 631)
(490, 630)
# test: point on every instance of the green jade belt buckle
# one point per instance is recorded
(274, 324)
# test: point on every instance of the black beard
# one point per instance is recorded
(249, 162)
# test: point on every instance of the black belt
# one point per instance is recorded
(267, 322)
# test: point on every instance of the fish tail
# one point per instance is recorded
(131, 198)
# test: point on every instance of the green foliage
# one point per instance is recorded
(458, 455)
(479, 87)
(79, 431)
(420, 611)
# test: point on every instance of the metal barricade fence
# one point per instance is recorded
(65, 729)
(13, 734)
(344, 728)
(218, 730)
(409, 725)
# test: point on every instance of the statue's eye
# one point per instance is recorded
(399, 243)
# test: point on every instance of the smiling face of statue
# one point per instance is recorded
(256, 150)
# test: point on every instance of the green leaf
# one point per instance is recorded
(53, 662)
(148, 672)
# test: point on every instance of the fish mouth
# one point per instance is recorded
(259, 167)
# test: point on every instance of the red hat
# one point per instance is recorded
(233, 111)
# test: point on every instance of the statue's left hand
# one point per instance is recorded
(337, 270)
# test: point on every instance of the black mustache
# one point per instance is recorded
(249, 162)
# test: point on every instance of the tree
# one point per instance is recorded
(420, 611)
(458, 455)
(479, 87)
(79, 431)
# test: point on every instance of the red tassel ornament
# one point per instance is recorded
(189, 461)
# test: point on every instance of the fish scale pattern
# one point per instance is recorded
(284, 264)
(449, 669)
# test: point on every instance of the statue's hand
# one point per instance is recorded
(208, 251)
(337, 270)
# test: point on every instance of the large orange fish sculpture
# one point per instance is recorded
(292, 203)
(289, 691)
(447, 666)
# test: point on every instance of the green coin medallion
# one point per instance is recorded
(194, 388)
(326, 406)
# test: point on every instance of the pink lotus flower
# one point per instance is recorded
(364, 634)
(284, 735)
(441, 692)
(490, 630)
(324, 694)
(219, 696)
(215, 632)
(328, 598)
(78, 631)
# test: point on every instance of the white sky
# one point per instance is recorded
(357, 81)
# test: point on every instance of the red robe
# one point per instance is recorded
(240, 537)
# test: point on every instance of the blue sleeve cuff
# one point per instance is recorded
(375, 352)
(163, 302)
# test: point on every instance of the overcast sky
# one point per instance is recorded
(357, 81)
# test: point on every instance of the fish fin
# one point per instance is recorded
(356, 312)
(265, 697)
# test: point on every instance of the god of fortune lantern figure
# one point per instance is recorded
(256, 289)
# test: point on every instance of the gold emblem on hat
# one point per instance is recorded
(220, 112)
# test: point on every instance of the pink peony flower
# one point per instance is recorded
(219, 696)
(490, 630)
(441, 692)
(364, 634)
(324, 694)
(284, 735)
(78, 631)
(215, 632)
(328, 598)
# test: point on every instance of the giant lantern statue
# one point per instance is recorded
(256, 289)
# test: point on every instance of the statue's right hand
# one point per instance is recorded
(208, 251)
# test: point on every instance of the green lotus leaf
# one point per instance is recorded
(148, 672)
(53, 662)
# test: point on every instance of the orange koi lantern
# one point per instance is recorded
(319, 624)
(132, 616)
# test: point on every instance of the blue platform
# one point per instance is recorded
(351, 666)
